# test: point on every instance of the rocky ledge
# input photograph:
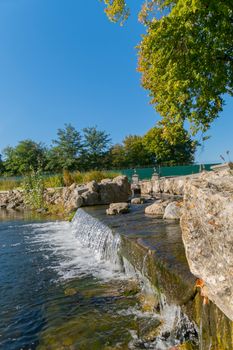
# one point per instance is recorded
(207, 231)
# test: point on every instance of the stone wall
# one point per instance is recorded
(169, 185)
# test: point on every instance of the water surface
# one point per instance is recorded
(61, 287)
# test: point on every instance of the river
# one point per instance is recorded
(62, 287)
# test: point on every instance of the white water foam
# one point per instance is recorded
(76, 251)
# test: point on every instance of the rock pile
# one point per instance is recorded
(71, 198)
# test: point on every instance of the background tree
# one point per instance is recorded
(1, 165)
(67, 150)
(96, 147)
(25, 157)
(135, 152)
(118, 156)
(178, 151)
(185, 57)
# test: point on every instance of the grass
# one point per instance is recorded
(60, 180)
(10, 184)
(96, 175)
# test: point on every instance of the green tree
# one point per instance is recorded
(1, 165)
(96, 148)
(67, 150)
(135, 152)
(118, 156)
(185, 57)
(25, 157)
(178, 151)
(116, 10)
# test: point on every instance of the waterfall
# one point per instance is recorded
(105, 245)
(98, 237)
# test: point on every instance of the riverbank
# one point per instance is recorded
(64, 201)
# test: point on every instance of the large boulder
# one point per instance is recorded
(157, 208)
(92, 186)
(117, 208)
(90, 198)
(207, 231)
(74, 203)
(172, 211)
(118, 190)
(106, 192)
(146, 187)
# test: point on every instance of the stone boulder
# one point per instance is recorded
(138, 200)
(106, 192)
(146, 187)
(172, 211)
(74, 203)
(90, 198)
(11, 200)
(157, 208)
(92, 186)
(117, 208)
(118, 190)
(207, 232)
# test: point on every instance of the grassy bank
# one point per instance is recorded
(60, 180)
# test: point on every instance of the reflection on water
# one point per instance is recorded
(10, 215)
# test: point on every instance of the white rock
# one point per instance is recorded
(172, 211)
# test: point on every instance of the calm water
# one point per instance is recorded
(57, 294)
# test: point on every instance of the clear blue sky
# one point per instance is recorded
(62, 61)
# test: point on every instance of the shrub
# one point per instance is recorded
(33, 186)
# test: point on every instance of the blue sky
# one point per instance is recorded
(62, 61)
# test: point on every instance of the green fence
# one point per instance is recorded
(146, 173)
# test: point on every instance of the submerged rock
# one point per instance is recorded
(148, 328)
(117, 208)
(138, 200)
(157, 208)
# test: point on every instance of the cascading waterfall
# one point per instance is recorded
(105, 245)
(98, 237)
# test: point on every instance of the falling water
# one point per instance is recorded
(99, 238)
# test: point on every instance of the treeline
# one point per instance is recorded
(92, 149)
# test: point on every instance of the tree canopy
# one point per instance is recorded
(135, 152)
(66, 149)
(185, 57)
(91, 149)
(96, 144)
(180, 151)
(28, 155)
